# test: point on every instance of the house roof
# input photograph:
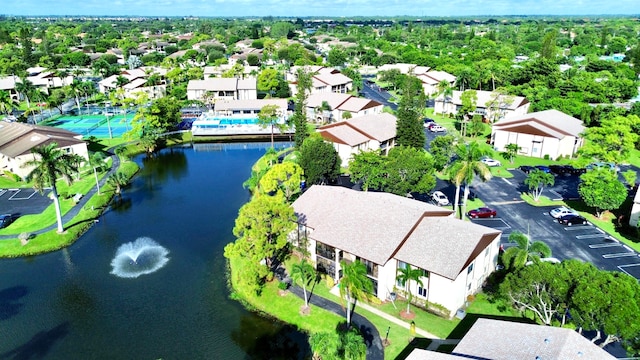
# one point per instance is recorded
(355, 104)
(358, 130)
(406, 68)
(18, 139)
(255, 104)
(434, 236)
(434, 77)
(222, 84)
(333, 99)
(331, 79)
(420, 354)
(551, 123)
(135, 84)
(9, 82)
(370, 225)
(496, 339)
(485, 96)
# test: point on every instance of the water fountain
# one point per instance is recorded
(139, 257)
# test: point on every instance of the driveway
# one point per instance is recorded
(373, 92)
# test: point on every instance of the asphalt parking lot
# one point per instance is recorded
(583, 242)
(20, 202)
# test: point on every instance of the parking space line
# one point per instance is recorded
(507, 181)
(2, 191)
(572, 228)
(617, 255)
(598, 246)
(591, 236)
(628, 248)
(557, 194)
(13, 197)
(627, 265)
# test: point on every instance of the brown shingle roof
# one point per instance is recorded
(552, 123)
(18, 139)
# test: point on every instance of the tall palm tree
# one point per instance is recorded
(354, 284)
(76, 89)
(268, 116)
(303, 273)
(26, 89)
(405, 276)
(96, 160)
(525, 251)
(49, 164)
(444, 88)
(466, 167)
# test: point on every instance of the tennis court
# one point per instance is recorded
(94, 125)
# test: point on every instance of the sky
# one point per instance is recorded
(336, 8)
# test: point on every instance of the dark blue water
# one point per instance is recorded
(67, 304)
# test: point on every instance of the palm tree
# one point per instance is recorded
(96, 160)
(445, 89)
(76, 88)
(26, 89)
(49, 164)
(324, 345)
(353, 346)
(7, 103)
(268, 116)
(405, 276)
(525, 251)
(118, 180)
(354, 284)
(303, 272)
(466, 167)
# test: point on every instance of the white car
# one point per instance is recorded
(490, 162)
(561, 211)
(437, 128)
(440, 199)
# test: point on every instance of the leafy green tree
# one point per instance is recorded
(601, 189)
(476, 126)
(537, 180)
(26, 89)
(441, 149)
(261, 229)
(354, 285)
(409, 170)
(510, 151)
(368, 167)
(630, 177)
(409, 126)
(524, 251)
(467, 166)
(549, 50)
(613, 140)
(325, 345)
(55, 99)
(353, 346)
(299, 117)
(269, 115)
(405, 276)
(303, 273)
(355, 77)
(469, 99)
(319, 160)
(283, 178)
(268, 80)
(49, 164)
(337, 57)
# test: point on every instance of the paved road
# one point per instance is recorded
(373, 92)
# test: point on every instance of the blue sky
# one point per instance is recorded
(419, 8)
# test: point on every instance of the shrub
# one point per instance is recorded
(283, 285)
(546, 156)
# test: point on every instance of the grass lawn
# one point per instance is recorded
(542, 201)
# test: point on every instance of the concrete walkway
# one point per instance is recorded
(115, 164)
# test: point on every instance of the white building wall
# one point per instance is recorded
(386, 279)
(634, 217)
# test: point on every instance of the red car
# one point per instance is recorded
(483, 212)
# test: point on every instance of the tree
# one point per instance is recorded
(284, 178)
(600, 188)
(268, 80)
(55, 99)
(409, 170)
(299, 117)
(96, 160)
(630, 177)
(118, 180)
(613, 140)
(319, 160)
(465, 168)
(303, 273)
(7, 103)
(441, 149)
(26, 89)
(353, 346)
(409, 126)
(354, 285)
(537, 180)
(510, 151)
(405, 276)
(469, 99)
(49, 164)
(526, 250)
(261, 229)
(368, 167)
(325, 345)
(269, 115)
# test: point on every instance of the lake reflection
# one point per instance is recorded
(67, 305)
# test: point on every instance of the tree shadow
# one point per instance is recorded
(9, 301)
(39, 345)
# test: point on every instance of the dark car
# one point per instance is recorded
(526, 168)
(572, 220)
(483, 212)
(561, 169)
(543, 168)
(5, 220)
(428, 120)
(472, 195)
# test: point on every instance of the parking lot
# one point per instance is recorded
(20, 202)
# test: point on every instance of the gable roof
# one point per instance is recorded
(551, 123)
(330, 79)
(370, 225)
(18, 139)
(222, 84)
(380, 127)
(339, 101)
(496, 339)
(406, 68)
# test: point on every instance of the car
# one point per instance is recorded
(437, 128)
(490, 162)
(561, 169)
(440, 198)
(561, 211)
(472, 195)
(526, 168)
(597, 165)
(5, 220)
(428, 120)
(572, 220)
(543, 168)
(483, 212)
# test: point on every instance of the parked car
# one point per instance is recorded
(483, 212)
(526, 168)
(597, 165)
(490, 162)
(472, 195)
(543, 168)
(428, 120)
(437, 128)
(439, 198)
(561, 169)
(572, 220)
(561, 211)
(5, 220)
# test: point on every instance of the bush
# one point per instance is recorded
(546, 156)
(283, 285)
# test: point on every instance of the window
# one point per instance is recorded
(422, 291)
(470, 269)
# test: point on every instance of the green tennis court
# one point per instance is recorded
(94, 125)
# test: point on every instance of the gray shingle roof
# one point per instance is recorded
(18, 139)
(495, 339)
(380, 127)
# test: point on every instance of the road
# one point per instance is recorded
(373, 92)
